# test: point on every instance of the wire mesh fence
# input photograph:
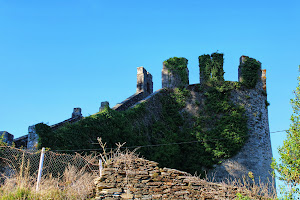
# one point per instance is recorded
(15, 161)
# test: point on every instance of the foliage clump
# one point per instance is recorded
(222, 126)
(111, 125)
(211, 67)
(178, 66)
(288, 166)
(249, 72)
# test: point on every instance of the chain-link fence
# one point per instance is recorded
(15, 161)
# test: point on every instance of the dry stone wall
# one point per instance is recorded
(138, 178)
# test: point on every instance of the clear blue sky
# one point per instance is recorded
(56, 55)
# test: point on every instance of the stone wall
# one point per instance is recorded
(7, 137)
(130, 177)
(31, 139)
(21, 142)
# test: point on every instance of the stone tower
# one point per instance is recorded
(256, 155)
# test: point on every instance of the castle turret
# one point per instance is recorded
(175, 73)
(255, 157)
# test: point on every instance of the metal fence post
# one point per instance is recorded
(100, 167)
(40, 169)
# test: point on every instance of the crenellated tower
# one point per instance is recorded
(256, 155)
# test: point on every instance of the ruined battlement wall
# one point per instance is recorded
(31, 139)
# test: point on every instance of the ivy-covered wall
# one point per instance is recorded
(166, 122)
(208, 126)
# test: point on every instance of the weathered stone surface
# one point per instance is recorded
(116, 185)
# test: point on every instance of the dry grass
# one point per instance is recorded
(74, 183)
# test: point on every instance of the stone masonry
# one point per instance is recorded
(136, 178)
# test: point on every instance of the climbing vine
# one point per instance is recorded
(211, 67)
(221, 125)
(249, 72)
(178, 66)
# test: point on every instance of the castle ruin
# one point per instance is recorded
(255, 156)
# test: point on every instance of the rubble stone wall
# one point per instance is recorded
(143, 179)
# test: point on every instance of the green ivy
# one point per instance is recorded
(220, 129)
(45, 135)
(249, 72)
(111, 125)
(211, 67)
(222, 126)
(178, 66)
